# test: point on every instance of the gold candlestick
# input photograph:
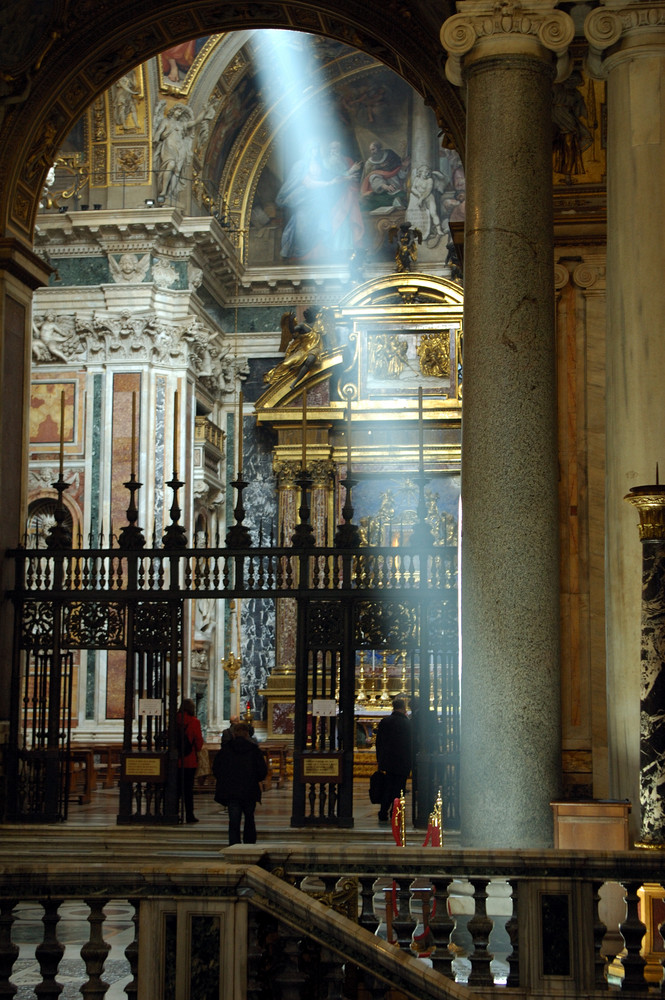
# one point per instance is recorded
(385, 694)
(361, 696)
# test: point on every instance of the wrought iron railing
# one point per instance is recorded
(96, 574)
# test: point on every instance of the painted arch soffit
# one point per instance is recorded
(93, 44)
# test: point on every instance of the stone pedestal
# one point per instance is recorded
(510, 749)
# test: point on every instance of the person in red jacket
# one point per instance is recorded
(190, 741)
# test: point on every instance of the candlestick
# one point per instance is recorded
(176, 416)
(421, 459)
(62, 431)
(133, 466)
(348, 439)
(304, 431)
(240, 400)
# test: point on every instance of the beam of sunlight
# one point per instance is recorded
(319, 194)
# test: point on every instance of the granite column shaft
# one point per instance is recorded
(510, 743)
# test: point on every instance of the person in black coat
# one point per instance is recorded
(393, 755)
(239, 768)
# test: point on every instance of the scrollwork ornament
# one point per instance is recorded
(561, 276)
(553, 29)
(37, 623)
(326, 625)
(586, 275)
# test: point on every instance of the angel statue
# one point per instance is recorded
(406, 253)
(303, 344)
(173, 136)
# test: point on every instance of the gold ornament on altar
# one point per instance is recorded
(231, 665)
(433, 350)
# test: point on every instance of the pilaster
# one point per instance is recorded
(627, 46)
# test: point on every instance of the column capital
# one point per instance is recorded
(629, 22)
(506, 28)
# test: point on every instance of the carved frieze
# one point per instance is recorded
(103, 337)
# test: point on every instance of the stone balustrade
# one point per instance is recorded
(303, 921)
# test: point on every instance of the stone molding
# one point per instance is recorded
(506, 28)
(616, 22)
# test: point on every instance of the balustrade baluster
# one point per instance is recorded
(8, 950)
(480, 928)
(632, 932)
(442, 925)
(94, 953)
(333, 976)
(132, 953)
(288, 975)
(49, 952)
(367, 918)
(512, 929)
(404, 923)
(599, 931)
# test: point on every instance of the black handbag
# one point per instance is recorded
(377, 784)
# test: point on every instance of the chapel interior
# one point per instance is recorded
(364, 280)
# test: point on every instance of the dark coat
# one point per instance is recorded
(239, 768)
(393, 744)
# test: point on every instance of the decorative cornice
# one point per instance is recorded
(616, 22)
(506, 27)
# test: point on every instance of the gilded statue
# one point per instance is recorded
(406, 253)
(303, 344)
(434, 354)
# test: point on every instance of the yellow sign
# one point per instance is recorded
(321, 768)
(143, 767)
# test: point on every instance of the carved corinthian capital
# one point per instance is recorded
(505, 28)
(616, 22)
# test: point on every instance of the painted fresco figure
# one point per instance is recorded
(320, 195)
(385, 174)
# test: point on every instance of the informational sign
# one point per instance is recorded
(143, 767)
(150, 706)
(322, 768)
(324, 706)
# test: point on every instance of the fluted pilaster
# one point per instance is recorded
(627, 47)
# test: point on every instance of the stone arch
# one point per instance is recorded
(77, 52)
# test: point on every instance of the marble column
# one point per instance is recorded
(506, 57)
(627, 47)
(650, 502)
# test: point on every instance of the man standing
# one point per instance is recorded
(393, 755)
(239, 769)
